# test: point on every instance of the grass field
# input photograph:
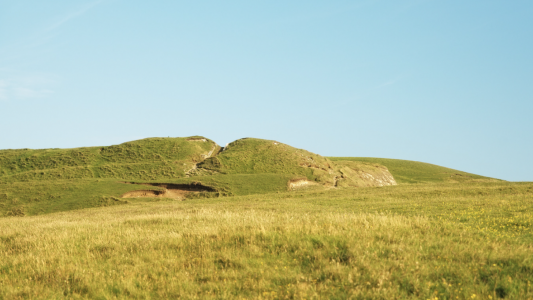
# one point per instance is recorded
(66, 233)
(426, 241)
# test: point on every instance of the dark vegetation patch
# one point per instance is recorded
(173, 190)
(191, 187)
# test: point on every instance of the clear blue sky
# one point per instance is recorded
(445, 82)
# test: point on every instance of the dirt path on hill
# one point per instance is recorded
(204, 156)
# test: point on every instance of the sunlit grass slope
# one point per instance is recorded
(258, 156)
(426, 241)
(50, 180)
(44, 181)
(147, 159)
(240, 184)
(406, 171)
(40, 197)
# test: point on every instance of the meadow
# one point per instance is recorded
(443, 240)
(66, 232)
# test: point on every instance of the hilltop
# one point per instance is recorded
(146, 159)
(48, 180)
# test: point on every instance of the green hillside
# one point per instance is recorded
(147, 159)
(48, 180)
(168, 169)
(406, 171)
(261, 220)
(257, 156)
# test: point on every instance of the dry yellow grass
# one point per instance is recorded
(299, 245)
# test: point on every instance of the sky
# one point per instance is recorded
(444, 82)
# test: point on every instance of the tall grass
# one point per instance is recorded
(402, 242)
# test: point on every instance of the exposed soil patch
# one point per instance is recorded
(299, 183)
(361, 174)
(194, 170)
(174, 191)
(175, 194)
(383, 180)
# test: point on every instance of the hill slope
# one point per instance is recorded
(154, 169)
(406, 171)
(258, 156)
(146, 159)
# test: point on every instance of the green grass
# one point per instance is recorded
(439, 234)
(50, 180)
(469, 240)
(242, 184)
(406, 171)
(146, 159)
(40, 197)
(257, 156)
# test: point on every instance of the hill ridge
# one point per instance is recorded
(48, 180)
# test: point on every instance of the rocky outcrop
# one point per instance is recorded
(362, 174)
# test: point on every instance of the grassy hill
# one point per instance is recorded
(246, 233)
(147, 159)
(257, 156)
(49, 180)
(406, 171)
